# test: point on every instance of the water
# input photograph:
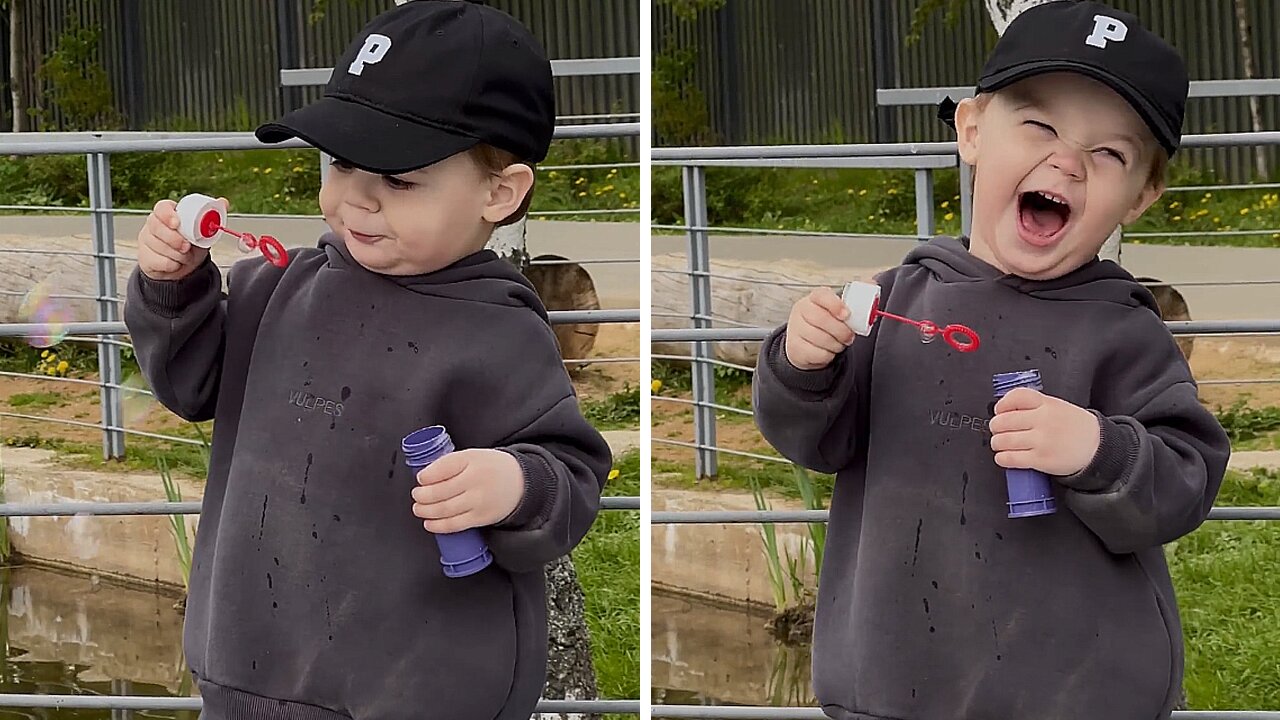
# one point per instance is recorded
(710, 654)
(66, 634)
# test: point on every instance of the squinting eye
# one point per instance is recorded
(396, 183)
(1113, 153)
(1042, 126)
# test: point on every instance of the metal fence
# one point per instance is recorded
(923, 158)
(806, 71)
(213, 64)
(98, 149)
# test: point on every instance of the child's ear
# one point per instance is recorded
(1151, 192)
(968, 111)
(508, 192)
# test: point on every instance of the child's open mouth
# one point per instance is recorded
(1042, 216)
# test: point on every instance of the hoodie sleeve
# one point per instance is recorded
(177, 329)
(565, 461)
(1162, 454)
(815, 418)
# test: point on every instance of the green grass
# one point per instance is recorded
(288, 181)
(1229, 596)
(142, 455)
(608, 565)
(876, 201)
(1249, 426)
(619, 411)
(37, 400)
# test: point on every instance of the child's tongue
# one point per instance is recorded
(1042, 216)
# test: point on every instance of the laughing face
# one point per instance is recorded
(1059, 161)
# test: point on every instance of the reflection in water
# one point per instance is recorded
(71, 635)
(711, 654)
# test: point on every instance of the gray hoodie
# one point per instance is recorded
(932, 602)
(315, 592)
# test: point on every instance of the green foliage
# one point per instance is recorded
(680, 114)
(177, 523)
(618, 411)
(78, 85)
(689, 9)
(1245, 423)
(788, 574)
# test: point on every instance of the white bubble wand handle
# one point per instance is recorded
(202, 221)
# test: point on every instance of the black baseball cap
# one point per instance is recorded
(1100, 42)
(427, 80)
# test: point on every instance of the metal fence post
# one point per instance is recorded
(966, 198)
(104, 249)
(924, 203)
(704, 379)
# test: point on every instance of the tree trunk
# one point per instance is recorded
(1245, 36)
(570, 671)
(18, 63)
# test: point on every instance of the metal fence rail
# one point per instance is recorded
(797, 713)
(923, 157)
(143, 702)
(98, 147)
(735, 517)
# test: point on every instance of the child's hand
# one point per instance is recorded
(1042, 432)
(816, 331)
(163, 254)
(467, 489)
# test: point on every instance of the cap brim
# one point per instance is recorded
(1167, 137)
(367, 138)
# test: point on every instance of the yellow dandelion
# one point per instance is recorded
(815, 181)
(62, 366)
(622, 195)
(255, 169)
(580, 181)
(44, 354)
(553, 174)
(949, 216)
(1176, 218)
(607, 188)
(297, 168)
(862, 192)
(1244, 211)
(613, 474)
(582, 194)
(893, 191)
(656, 385)
(849, 191)
(1217, 220)
(946, 203)
(1175, 205)
(266, 171)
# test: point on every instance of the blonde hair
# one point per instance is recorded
(495, 160)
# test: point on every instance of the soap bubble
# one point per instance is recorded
(136, 400)
(51, 314)
(928, 332)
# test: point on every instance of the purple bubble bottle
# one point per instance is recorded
(1030, 491)
(461, 553)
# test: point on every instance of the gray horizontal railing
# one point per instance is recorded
(1176, 327)
(792, 517)
(678, 155)
(133, 142)
(300, 77)
(796, 713)
(143, 702)
(891, 97)
(104, 509)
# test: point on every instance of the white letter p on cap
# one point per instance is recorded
(375, 47)
(1104, 29)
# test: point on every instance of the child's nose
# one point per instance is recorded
(1069, 162)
